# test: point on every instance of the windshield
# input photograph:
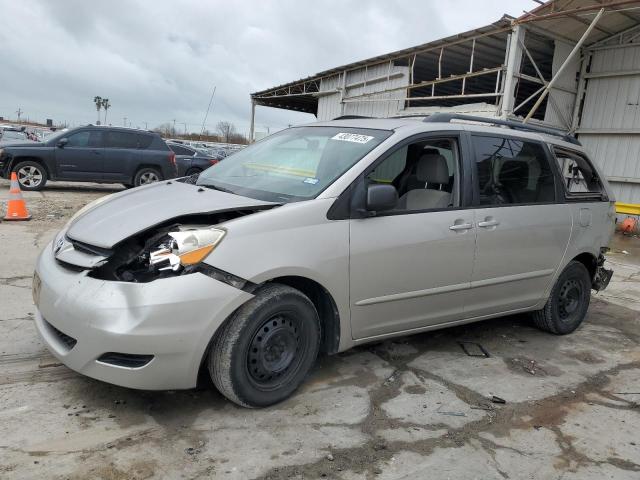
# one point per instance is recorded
(295, 164)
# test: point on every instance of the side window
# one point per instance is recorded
(512, 171)
(578, 174)
(388, 170)
(144, 141)
(122, 140)
(178, 150)
(425, 173)
(78, 140)
(95, 139)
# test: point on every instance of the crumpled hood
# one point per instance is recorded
(126, 213)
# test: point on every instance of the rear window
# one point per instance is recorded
(579, 176)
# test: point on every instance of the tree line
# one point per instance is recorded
(225, 132)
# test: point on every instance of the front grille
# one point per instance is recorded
(128, 360)
(66, 340)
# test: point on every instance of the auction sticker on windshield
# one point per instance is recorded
(352, 137)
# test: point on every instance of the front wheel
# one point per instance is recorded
(266, 349)
(568, 303)
(145, 176)
(31, 175)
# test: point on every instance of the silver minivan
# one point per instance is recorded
(319, 238)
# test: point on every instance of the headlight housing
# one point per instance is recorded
(184, 247)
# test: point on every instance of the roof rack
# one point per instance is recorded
(515, 125)
(351, 117)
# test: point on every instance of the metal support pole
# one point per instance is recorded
(473, 51)
(253, 122)
(514, 59)
(566, 62)
(433, 86)
(581, 88)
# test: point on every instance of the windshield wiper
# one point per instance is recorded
(216, 187)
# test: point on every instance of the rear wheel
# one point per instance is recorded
(568, 303)
(266, 349)
(145, 176)
(192, 171)
(31, 175)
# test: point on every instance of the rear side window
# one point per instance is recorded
(178, 150)
(144, 140)
(579, 176)
(122, 140)
(511, 171)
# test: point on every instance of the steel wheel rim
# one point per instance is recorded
(569, 299)
(29, 176)
(274, 353)
(148, 177)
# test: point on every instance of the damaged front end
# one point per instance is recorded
(176, 247)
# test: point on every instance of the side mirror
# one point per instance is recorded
(381, 198)
(62, 142)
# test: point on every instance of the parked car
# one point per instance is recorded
(319, 238)
(10, 136)
(90, 154)
(191, 160)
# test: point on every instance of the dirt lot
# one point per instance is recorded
(415, 407)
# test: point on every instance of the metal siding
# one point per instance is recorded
(613, 103)
(329, 105)
(564, 101)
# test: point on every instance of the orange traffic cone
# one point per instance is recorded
(16, 206)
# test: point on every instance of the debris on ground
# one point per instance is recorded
(474, 349)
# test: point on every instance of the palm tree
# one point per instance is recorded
(106, 105)
(98, 101)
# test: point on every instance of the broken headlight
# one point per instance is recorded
(184, 247)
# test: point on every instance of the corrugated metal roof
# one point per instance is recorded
(501, 25)
(569, 18)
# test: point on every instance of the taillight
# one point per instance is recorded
(172, 158)
(213, 161)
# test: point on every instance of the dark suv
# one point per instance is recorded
(90, 154)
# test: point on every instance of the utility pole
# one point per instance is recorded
(19, 112)
(174, 126)
(207, 113)
(145, 126)
(185, 129)
(124, 121)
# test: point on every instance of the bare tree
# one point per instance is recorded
(226, 130)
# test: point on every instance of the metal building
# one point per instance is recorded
(573, 64)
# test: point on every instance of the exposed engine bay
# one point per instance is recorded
(170, 249)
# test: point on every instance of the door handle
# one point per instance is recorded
(461, 226)
(95, 152)
(489, 222)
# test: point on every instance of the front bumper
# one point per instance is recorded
(172, 319)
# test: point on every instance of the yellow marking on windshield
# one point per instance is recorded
(298, 172)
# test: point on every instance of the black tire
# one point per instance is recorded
(32, 176)
(568, 303)
(128, 185)
(146, 175)
(264, 351)
(192, 171)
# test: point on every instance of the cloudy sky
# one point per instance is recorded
(158, 60)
